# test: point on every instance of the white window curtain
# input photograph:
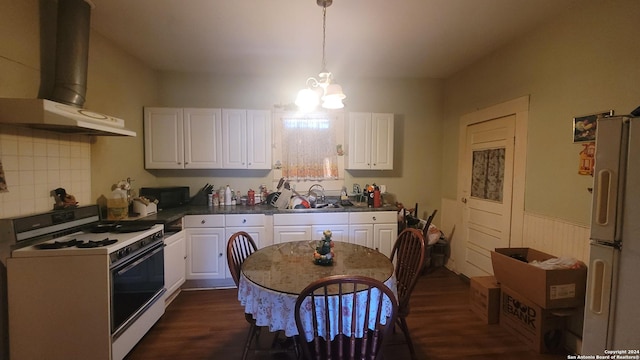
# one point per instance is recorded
(309, 149)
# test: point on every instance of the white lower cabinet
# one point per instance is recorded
(286, 233)
(252, 224)
(338, 232)
(374, 229)
(206, 236)
(206, 247)
(309, 226)
(175, 256)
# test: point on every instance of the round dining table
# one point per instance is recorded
(272, 278)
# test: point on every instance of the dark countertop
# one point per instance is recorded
(170, 215)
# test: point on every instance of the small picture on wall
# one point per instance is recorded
(584, 127)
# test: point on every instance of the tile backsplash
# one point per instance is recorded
(35, 162)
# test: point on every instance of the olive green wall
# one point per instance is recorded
(118, 85)
(584, 62)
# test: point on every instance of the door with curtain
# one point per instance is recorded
(487, 194)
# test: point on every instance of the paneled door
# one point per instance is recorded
(487, 196)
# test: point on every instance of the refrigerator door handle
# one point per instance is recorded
(603, 194)
(600, 283)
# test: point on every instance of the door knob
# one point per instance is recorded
(464, 200)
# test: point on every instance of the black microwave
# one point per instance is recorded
(168, 197)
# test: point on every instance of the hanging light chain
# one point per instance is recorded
(324, 36)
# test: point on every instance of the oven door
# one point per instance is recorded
(136, 284)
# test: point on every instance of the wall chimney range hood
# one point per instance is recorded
(59, 107)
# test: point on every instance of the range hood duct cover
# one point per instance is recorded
(72, 52)
(63, 83)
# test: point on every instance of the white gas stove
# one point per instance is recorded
(70, 276)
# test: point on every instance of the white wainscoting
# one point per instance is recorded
(556, 236)
(551, 235)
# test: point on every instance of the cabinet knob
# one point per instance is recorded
(249, 163)
(374, 218)
(244, 221)
(220, 255)
(203, 221)
(179, 163)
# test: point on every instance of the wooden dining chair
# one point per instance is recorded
(359, 322)
(408, 256)
(239, 247)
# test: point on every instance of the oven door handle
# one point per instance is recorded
(137, 262)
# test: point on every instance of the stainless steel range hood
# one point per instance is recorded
(59, 107)
(49, 115)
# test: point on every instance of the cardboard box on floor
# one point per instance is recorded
(540, 329)
(550, 289)
(484, 298)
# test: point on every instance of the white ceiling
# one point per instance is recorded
(365, 38)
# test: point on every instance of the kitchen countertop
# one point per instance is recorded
(170, 215)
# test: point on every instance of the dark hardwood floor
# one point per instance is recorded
(210, 324)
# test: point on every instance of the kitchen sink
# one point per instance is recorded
(318, 207)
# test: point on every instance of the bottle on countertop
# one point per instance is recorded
(234, 199)
(221, 196)
(377, 198)
(227, 196)
(251, 200)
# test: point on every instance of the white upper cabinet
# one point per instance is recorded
(163, 138)
(246, 139)
(200, 138)
(370, 141)
(177, 138)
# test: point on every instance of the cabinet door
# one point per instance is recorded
(258, 233)
(234, 138)
(385, 236)
(206, 253)
(382, 141)
(359, 147)
(202, 139)
(163, 138)
(338, 232)
(362, 234)
(258, 139)
(282, 234)
(175, 254)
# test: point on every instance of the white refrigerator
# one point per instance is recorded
(612, 307)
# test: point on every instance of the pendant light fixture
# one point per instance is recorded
(321, 88)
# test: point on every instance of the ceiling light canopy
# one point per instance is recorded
(321, 88)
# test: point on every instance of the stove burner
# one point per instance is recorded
(58, 244)
(76, 243)
(92, 244)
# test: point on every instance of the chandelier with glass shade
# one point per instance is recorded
(321, 88)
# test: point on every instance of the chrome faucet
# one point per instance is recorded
(321, 198)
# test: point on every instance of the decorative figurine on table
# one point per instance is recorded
(323, 255)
